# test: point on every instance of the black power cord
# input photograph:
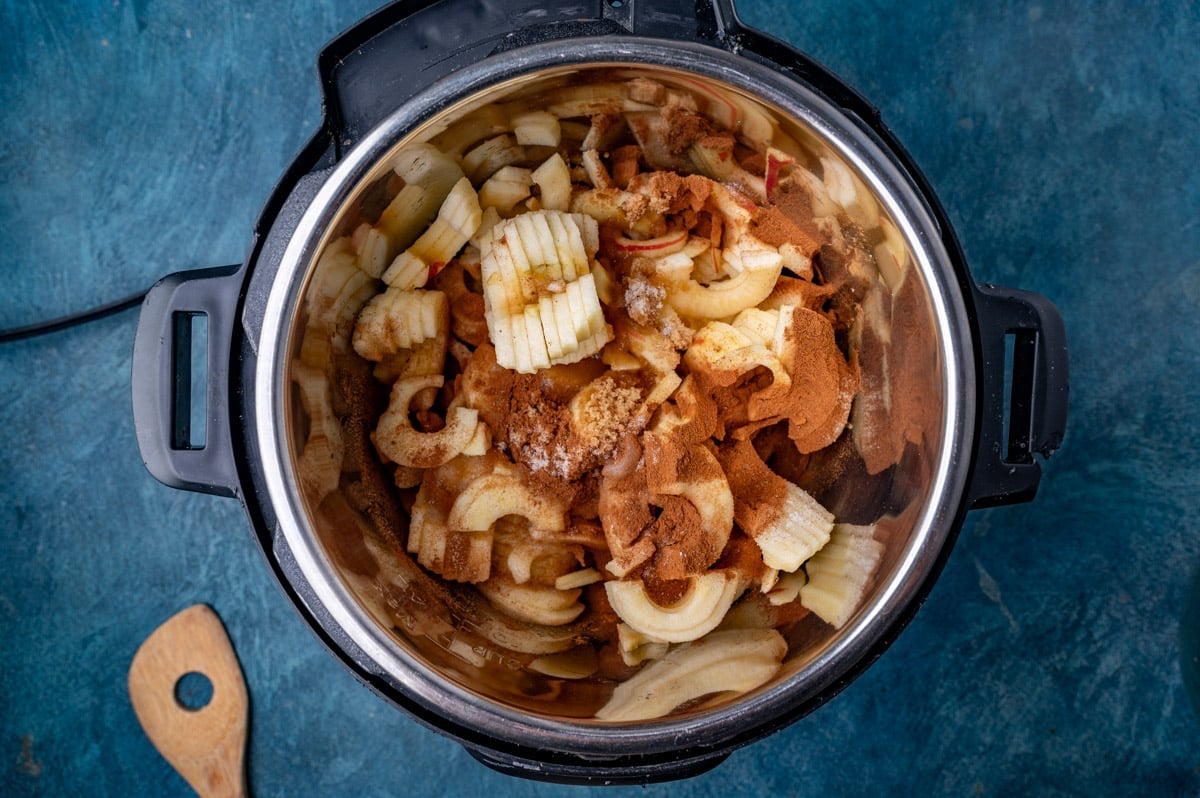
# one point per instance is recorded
(71, 320)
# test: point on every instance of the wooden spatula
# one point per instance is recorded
(206, 745)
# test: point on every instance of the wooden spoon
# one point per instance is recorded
(206, 745)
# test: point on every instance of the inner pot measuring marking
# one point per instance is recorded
(919, 500)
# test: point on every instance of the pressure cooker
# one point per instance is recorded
(963, 384)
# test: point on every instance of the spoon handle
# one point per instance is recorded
(205, 745)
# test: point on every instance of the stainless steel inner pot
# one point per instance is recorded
(927, 332)
(439, 663)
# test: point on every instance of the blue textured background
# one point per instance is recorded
(142, 137)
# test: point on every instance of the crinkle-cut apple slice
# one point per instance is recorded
(537, 244)
(487, 220)
(421, 360)
(539, 356)
(523, 361)
(399, 319)
(493, 496)
(789, 528)
(839, 572)
(507, 187)
(709, 596)
(553, 179)
(502, 286)
(339, 319)
(334, 268)
(734, 660)
(320, 463)
(799, 529)
(587, 348)
(397, 440)
(429, 175)
(564, 322)
(532, 603)
(592, 309)
(456, 221)
(568, 243)
(525, 261)
(589, 234)
(339, 289)
(373, 250)
(409, 212)
(549, 322)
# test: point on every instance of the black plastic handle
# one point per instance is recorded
(623, 771)
(162, 379)
(1031, 417)
(381, 62)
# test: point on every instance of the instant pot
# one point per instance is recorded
(964, 385)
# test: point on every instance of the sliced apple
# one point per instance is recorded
(493, 496)
(708, 598)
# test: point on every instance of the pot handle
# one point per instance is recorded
(162, 380)
(1031, 417)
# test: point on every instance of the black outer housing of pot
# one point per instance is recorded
(368, 72)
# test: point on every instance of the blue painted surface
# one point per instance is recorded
(142, 137)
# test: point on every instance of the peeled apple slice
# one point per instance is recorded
(531, 603)
(399, 319)
(760, 269)
(396, 439)
(457, 220)
(636, 647)
(429, 174)
(699, 612)
(540, 299)
(493, 496)
(801, 528)
(736, 660)
(839, 572)
(553, 179)
(320, 462)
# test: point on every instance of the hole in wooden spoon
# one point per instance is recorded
(193, 691)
